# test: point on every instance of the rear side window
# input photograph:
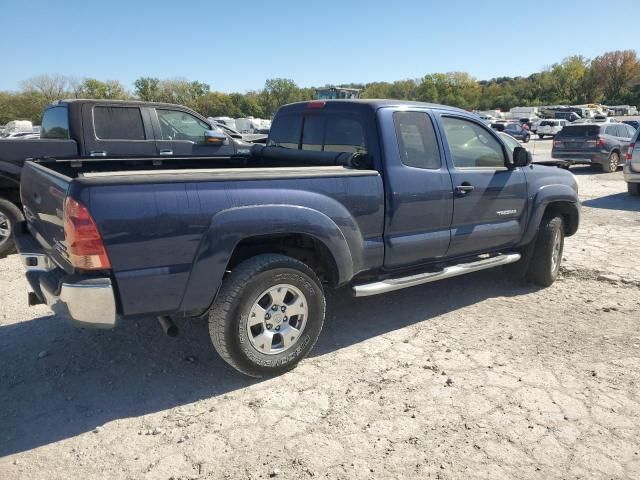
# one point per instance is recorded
(624, 131)
(416, 140)
(55, 123)
(118, 123)
(580, 131)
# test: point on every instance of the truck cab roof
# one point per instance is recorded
(372, 104)
(93, 101)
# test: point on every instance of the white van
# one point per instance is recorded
(550, 127)
(523, 112)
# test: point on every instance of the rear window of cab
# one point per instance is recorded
(321, 133)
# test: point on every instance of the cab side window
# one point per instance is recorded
(472, 146)
(416, 140)
(177, 125)
(118, 123)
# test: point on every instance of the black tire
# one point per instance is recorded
(544, 265)
(540, 136)
(10, 216)
(527, 138)
(519, 269)
(240, 292)
(612, 163)
(633, 189)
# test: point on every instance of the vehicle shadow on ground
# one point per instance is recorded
(57, 382)
(616, 201)
(586, 170)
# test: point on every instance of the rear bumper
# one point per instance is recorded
(586, 158)
(630, 176)
(84, 301)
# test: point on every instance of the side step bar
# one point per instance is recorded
(392, 284)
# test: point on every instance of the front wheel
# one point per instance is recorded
(544, 265)
(267, 315)
(540, 136)
(526, 139)
(634, 189)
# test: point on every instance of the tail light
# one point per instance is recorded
(556, 142)
(84, 243)
(630, 152)
(600, 142)
(316, 104)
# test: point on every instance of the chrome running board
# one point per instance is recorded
(452, 271)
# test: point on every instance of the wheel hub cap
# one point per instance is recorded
(5, 228)
(276, 319)
(555, 255)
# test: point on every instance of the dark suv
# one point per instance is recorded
(588, 143)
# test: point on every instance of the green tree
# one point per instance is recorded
(280, 91)
(147, 89)
(110, 89)
(616, 72)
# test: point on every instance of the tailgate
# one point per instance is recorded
(43, 192)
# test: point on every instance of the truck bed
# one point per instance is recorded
(168, 223)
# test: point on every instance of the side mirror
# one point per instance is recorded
(521, 157)
(214, 137)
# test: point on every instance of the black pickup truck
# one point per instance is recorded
(374, 195)
(90, 128)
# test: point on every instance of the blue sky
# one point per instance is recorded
(236, 45)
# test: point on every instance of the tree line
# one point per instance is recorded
(612, 78)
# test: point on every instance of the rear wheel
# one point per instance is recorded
(611, 165)
(634, 189)
(267, 315)
(10, 216)
(527, 138)
(544, 265)
(540, 136)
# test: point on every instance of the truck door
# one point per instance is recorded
(419, 198)
(117, 131)
(181, 133)
(490, 199)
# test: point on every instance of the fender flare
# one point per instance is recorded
(545, 196)
(231, 226)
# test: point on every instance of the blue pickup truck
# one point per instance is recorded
(375, 195)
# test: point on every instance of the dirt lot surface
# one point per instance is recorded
(474, 377)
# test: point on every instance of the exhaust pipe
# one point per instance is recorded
(170, 329)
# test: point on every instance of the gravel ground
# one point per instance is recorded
(473, 377)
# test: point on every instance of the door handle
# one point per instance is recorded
(97, 153)
(166, 151)
(464, 189)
